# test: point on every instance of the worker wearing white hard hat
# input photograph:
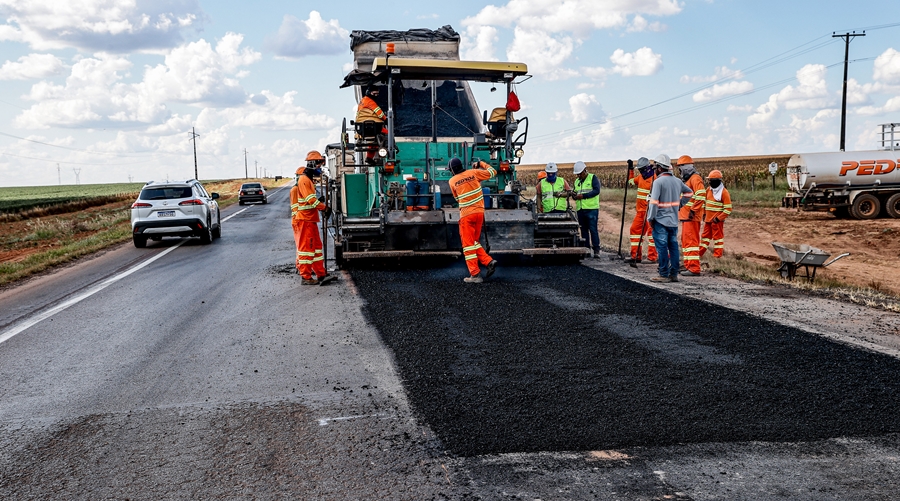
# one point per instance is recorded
(587, 206)
(662, 213)
(552, 191)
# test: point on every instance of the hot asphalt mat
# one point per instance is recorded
(570, 358)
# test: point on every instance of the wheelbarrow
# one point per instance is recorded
(795, 256)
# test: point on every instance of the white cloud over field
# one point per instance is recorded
(31, 67)
(297, 38)
(117, 26)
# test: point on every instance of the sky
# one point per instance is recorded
(109, 91)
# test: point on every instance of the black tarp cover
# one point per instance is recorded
(443, 34)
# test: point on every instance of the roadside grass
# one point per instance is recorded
(63, 238)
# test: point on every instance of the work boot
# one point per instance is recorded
(597, 254)
(473, 280)
(673, 278)
(310, 281)
(689, 273)
(661, 279)
(491, 268)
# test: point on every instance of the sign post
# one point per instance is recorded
(773, 168)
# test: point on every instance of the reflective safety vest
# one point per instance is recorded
(716, 209)
(308, 205)
(466, 188)
(583, 189)
(549, 193)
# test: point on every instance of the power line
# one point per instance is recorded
(73, 163)
(66, 147)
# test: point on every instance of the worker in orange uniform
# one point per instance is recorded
(466, 188)
(305, 208)
(369, 111)
(643, 178)
(691, 215)
(718, 207)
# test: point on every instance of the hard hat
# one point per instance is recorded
(716, 174)
(642, 162)
(685, 159)
(542, 175)
(579, 167)
(314, 155)
(551, 168)
(663, 160)
(300, 170)
(456, 165)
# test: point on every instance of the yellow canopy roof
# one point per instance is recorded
(443, 69)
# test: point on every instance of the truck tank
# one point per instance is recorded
(858, 184)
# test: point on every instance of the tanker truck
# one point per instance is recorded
(857, 184)
(388, 179)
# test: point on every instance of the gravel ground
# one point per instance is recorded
(571, 358)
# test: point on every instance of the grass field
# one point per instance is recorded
(23, 198)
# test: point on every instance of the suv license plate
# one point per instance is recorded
(165, 213)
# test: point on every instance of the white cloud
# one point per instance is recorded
(887, 67)
(586, 108)
(642, 62)
(721, 73)
(597, 72)
(543, 54)
(817, 122)
(477, 43)
(315, 36)
(117, 26)
(32, 66)
(739, 109)
(719, 91)
(639, 24)
(95, 95)
(277, 113)
(577, 16)
(811, 93)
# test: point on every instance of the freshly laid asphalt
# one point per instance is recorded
(569, 358)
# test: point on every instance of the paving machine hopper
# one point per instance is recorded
(388, 181)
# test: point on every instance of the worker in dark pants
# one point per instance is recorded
(587, 205)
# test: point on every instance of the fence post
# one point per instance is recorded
(752, 182)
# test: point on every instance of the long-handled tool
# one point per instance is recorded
(325, 217)
(624, 201)
(633, 262)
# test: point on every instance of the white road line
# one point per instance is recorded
(325, 421)
(29, 322)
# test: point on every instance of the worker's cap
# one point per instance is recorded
(663, 161)
(456, 165)
(314, 156)
(300, 170)
(579, 167)
(716, 174)
(685, 160)
(551, 168)
(643, 162)
(542, 175)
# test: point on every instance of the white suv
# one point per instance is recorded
(175, 209)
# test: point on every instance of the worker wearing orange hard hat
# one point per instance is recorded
(466, 188)
(718, 207)
(691, 216)
(305, 208)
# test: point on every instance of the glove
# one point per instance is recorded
(631, 182)
(327, 212)
(715, 220)
(690, 215)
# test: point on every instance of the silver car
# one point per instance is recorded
(175, 209)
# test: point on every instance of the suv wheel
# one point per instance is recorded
(139, 241)
(217, 231)
(207, 235)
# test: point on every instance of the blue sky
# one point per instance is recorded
(111, 88)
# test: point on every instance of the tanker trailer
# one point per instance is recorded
(859, 184)
(393, 200)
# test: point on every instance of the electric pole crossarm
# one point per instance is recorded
(847, 37)
(194, 137)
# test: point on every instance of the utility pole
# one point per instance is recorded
(194, 136)
(245, 163)
(256, 167)
(77, 175)
(58, 174)
(847, 37)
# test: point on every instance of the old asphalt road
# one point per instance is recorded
(211, 373)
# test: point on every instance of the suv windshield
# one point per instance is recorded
(251, 186)
(166, 193)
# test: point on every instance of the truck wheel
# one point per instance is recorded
(893, 206)
(866, 206)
